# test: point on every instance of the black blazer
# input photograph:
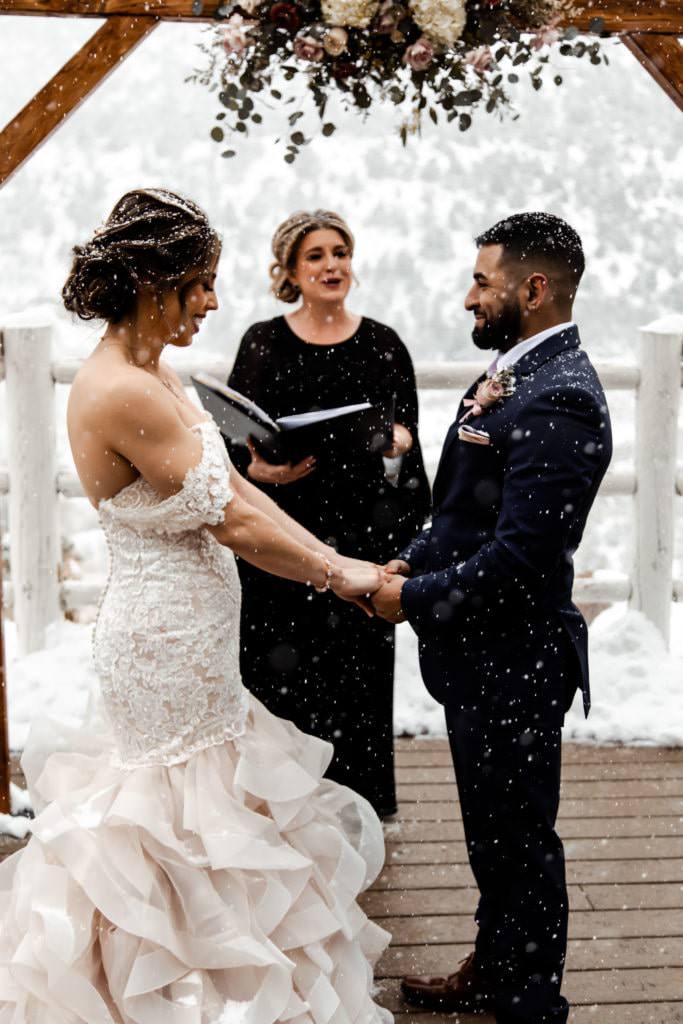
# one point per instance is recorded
(492, 576)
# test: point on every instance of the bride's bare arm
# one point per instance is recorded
(148, 432)
(255, 497)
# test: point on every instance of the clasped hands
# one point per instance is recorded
(375, 588)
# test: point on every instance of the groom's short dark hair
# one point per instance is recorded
(539, 238)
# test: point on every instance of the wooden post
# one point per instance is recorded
(32, 461)
(656, 428)
(5, 803)
(662, 56)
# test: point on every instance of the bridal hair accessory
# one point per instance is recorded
(490, 391)
(441, 59)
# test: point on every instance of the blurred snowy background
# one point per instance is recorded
(603, 151)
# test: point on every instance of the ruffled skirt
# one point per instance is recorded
(215, 891)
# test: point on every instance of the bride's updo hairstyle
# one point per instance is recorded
(287, 240)
(152, 238)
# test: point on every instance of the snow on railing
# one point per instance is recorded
(34, 485)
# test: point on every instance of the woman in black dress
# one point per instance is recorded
(323, 664)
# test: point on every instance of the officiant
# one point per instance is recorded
(309, 657)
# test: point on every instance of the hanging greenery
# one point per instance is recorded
(436, 58)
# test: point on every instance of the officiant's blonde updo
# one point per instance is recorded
(152, 238)
(287, 240)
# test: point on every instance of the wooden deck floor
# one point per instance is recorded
(621, 818)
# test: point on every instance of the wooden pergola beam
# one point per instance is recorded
(68, 88)
(662, 56)
(618, 16)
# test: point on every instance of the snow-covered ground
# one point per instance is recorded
(608, 165)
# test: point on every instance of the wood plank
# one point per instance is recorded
(584, 988)
(379, 903)
(449, 810)
(583, 924)
(621, 1013)
(435, 876)
(575, 849)
(66, 90)
(582, 955)
(617, 15)
(408, 791)
(436, 751)
(646, 896)
(662, 57)
(634, 771)
(569, 828)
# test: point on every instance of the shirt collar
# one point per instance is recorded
(506, 359)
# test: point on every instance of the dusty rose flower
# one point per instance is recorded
(307, 47)
(546, 35)
(419, 55)
(285, 15)
(235, 36)
(480, 60)
(389, 17)
(336, 41)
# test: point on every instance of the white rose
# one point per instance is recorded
(442, 21)
(349, 13)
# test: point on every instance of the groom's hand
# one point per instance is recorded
(387, 600)
(397, 567)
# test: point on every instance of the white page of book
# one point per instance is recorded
(300, 419)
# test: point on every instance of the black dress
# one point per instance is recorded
(310, 657)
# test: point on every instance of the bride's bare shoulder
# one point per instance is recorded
(107, 390)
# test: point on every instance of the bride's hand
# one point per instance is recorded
(363, 578)
(356, 581)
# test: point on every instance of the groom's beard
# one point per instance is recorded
(501, 333)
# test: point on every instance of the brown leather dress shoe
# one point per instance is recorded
(464, 991)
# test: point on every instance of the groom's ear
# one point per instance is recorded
(538, 290)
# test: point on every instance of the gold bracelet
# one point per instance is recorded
(329, 572)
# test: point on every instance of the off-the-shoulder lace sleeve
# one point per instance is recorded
(201, 500)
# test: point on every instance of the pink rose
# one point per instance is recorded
(308, 48)
(389, 17)
(420, 55)
(235, 35)
(480, 60)
(489, 392)
(546, 35)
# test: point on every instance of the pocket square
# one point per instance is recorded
(474, 436)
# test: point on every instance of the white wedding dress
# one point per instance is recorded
(187, 864)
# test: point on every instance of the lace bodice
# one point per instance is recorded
(166, 641)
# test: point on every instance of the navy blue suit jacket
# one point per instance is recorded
(492, 576)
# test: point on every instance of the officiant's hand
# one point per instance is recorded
(403, 442)
(285, 473)
(387, 600)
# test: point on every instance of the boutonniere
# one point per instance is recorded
(494, 389)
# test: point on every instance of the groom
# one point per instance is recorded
(488, 587)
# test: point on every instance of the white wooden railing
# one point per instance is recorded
(33, 483)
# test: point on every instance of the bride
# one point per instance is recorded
(188, 865)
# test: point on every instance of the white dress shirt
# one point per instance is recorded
(506, 359)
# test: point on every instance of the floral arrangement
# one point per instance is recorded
(430, 57)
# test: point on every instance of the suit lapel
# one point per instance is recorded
(524, 367)
(452, 434)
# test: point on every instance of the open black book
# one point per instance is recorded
(291, 438)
